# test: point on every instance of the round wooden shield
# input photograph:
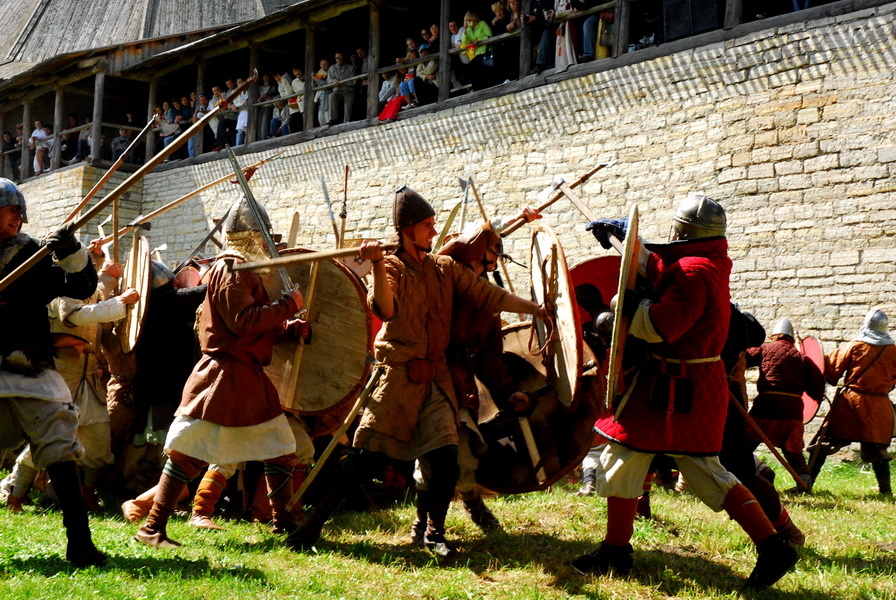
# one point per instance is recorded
(628, 273)
(561, 433)
(552, 286)
(330, 370)
(137, 275)
(811, 347)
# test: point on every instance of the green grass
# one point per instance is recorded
(686, 552)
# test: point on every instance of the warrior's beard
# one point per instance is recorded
(247, 243)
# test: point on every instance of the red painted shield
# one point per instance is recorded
(811, 347)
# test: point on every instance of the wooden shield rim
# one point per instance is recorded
(570, 341)
(628, 272)
(811, 347)
(132, 325)
(355, 390)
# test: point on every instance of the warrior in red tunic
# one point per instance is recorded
(679, 398)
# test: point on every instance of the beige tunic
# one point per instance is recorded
(419, 329)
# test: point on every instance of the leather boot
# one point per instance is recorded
(774, 558)
(279, 484)
(418, 527)
(479, 512)
(80, 551)
(207, 494)
(299, 474)
(882, 472)
(792, 533)
(14, 503)
(606, 559)
(154, 531)
(309, 532)
(434, 538)
(90, 499)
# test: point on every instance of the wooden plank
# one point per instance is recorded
(27, 127)
(99, 86)
(525, 43)
(152, 98)
(310, 49)
(254, 65)
(444, 56)
(58, 112)
(373, 62)
(201, 78)
(623, 21)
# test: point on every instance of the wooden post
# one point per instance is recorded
(525, 43)
(373, 63)
(309, 78)
(152, 98)
(27, 126)
(622, 19)
(3, 157)
(734, 12)
(96, 130)
(201, 77)
(444, 56)
(58, 110)
(252, 127)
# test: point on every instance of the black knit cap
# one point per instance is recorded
(410, 208)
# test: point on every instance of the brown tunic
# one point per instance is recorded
(420, 329)
(863, 412)
(237, 331)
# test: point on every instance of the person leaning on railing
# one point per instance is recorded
(476, 73)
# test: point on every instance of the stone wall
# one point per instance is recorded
(790, 127)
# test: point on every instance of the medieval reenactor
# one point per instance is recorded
(413, 412)
(476, 351)
(230, 411)
(678, 401)
(861, 411)
(736, 455)
(36, 403)
(784, 374)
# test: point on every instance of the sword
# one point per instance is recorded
(204, 241)
(285, 280)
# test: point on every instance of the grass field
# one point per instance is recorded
(687, 551)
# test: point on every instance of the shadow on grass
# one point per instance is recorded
(672, 572)
(881, 565)
(142, 567)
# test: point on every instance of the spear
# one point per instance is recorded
(124, 186)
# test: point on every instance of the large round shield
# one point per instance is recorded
(329, 371)
(603, 273)
(137, 275)
(552, 287)
(187, 277)
(811, 347)
(531, 452)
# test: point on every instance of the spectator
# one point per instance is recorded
(120, 143)
(389, 87)
(279, 123)
(15, 159)
(216, 100)
(322, 97)
(9, 144)
(202, 108)
(428, 77)
(541, 21)
(506, 52)
(267, 90)
(38, 143)
(408, 85)
(589, 30)
(284, 90)
(343, 94)
(566, 33)
(477, 72)
(227, 117)
(361, 53)
(297, 104)
(434, 38)
(411, 44)
(242, 119)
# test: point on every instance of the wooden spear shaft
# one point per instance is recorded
(519, 222)
(749, 420)
(124, 186)
(500, 258)
(178, 202)
(108, 174)
(291, 259)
